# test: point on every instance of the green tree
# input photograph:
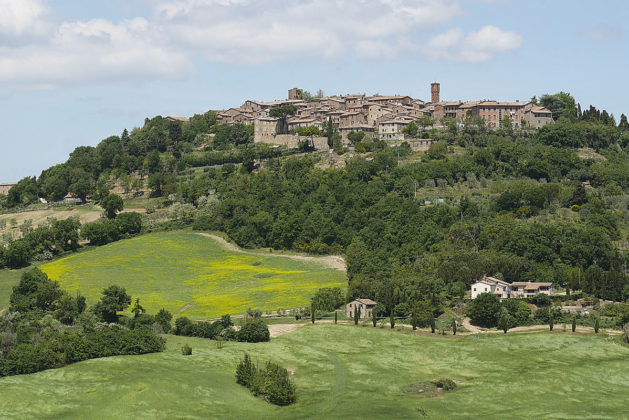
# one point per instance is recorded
(336, 317)
(504, 320)
(112, 204)
(411, 129)
(312, 313)
(392, 318)
(484, 310)
(137, 309)
(374, 317)
(114, 300)
(551, 321)
(245, 371)
(163, 318)
(574, 323)
(328, 298)
(596, 325)
(432, 325)
(454, 326)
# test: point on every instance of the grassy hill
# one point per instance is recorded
(342, 372)
(192, 275)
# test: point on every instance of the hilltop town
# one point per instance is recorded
(377, 116)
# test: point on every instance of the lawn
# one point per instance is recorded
(342, 372)
(192, 275)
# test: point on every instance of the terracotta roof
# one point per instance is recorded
(182, 119)
(366, 301)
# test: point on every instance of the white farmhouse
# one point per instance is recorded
(505, 290)
(491, 285)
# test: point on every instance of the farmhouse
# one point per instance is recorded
(505, 290)
(365, 305)
(491, 285)
(528, 289)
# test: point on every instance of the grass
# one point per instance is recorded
(191, 275)
(8, 279)
(342, 372)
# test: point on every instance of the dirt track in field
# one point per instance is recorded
(332, 261)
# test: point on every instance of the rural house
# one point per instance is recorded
(366, 308)
(505, 290)
(492, 285)
(528, 289)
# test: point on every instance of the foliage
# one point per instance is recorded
(254, 331)
(272, 383)
(186, 350)
(484, 310)
(114, 300)
(112, 204)
(328, 299)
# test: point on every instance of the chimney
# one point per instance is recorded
(434, 92)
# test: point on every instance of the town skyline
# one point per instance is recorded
(75, 74)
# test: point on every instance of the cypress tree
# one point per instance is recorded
(551, 322)
(432, 325)
(454, 326)
(392, 319)
(596, 326)
(574, 323)
(336, 317)
(312, 313)
(374, 319)
(356, 316)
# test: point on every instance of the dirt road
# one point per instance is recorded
(332, 261)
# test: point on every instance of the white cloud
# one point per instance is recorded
(47, 53)
(23, 20)
(475, 47)
(94, 50)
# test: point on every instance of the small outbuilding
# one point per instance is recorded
(366, 307)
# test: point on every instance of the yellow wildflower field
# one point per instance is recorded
(193, 275)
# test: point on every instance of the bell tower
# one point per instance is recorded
(434, 92)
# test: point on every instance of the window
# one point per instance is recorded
(475, 289)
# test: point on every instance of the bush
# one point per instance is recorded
(186, 350)
(254, 331)
(484, 310)
(273, 382)
(445, 384)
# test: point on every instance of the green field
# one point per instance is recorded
(342, 372)
(192, 275)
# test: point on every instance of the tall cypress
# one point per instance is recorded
(596, 326)
(392, 319)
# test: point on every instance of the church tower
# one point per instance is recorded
(434, 92)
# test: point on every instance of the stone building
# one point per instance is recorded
(366, 307)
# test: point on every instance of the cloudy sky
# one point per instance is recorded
(72, 73)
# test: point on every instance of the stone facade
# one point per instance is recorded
(4, 188)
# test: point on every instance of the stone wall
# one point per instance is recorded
(292, 140)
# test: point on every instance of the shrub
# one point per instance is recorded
(278, 389)
(254, 331)
(273, 382)
(445, 384)
(245, 371)
(186, 350)
(328, 298)
(484, 310)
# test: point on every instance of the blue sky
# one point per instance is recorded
(73, 73)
